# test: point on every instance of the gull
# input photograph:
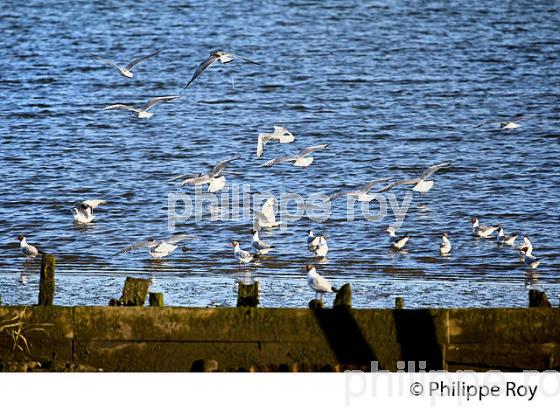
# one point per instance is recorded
(280, 134)
(27, 249)
(318, 283)
(157, 248)
(397, 242)
(83, 214)
(421, 184)
(481, 231)
(503, 239)
(312, 241)
(300, 160)
(261, 247)
(445, 246)
(221, 56)
(266, 217)
(241, 255)
(530, 260)
(508, 124)
(360, 194)
(142, 112)
(322, 248)
(126, 71)
(213, 179)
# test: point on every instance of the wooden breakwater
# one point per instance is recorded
(262, 339)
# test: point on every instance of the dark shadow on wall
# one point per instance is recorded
(344, 336)
(417, 338)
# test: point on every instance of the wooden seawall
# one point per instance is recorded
(180, 339)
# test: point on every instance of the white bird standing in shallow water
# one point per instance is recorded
(504, 239)
(83, 214)
(397, 242)
(241, 255)
(322, 248)
(261, 247)
(221, 56)
(27, 249)
(126, 71)
(421, 184)
(266, 217)
(214, 179)
(157, 249)
(280, 134)
(481, 231)
(142, 112)
(530, 260)
(302, 159)
(318, 283)
(445, 246)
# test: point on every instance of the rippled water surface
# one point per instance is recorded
(393, 87)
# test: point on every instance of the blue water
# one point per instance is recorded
(393, 87)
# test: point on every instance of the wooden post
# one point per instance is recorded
(156, 299)
(248, 294)
(538, 299)
(204, 365)
(46, 284)
(399, 303)
(343, 297)
(315, 304)
(134, 293)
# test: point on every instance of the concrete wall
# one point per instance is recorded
(173, 338)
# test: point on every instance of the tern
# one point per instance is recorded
(318, 283)
(126, 71)
(445, 246)
(530, 260)
(261, 247)
(266, 217)
(157, 249)
(508, 124)
(504, 239)
(142, 112)
(213, 178)
(299, 160)
(243, 257)
(280, 134)
(83, 214)
(397, 242)
(481, 231)
(221, 56)
(421, 184)
(27, 249)
(361, 194)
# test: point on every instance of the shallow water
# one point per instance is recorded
(393, 88)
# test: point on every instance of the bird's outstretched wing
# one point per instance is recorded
(104, 61)
(309, 150)
(122, 107)
(157, 100)
(139, 59)
(202, 67)
(179, 237)
(261, 142)
(367, 187)
(397, 183)
(184, 176)
(277, 161)
(246, 59)
(94, 203)
(219, 167)
(149, 243)
(433, 169)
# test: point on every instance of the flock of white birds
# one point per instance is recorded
(265, 218)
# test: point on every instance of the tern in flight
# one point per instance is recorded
(157, 248)
(214, 179)
(221, 56)
(421, 184)
(126, 71)
(299, 160)
(142, 112)
(280, 134)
